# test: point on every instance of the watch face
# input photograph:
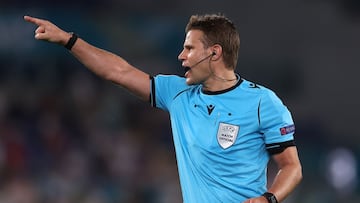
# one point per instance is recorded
(273, 199)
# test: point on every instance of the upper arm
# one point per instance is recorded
(137, 82)
(287, 157)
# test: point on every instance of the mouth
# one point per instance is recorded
(186, 70)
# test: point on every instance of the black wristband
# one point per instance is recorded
(270, 197)
(71, 41)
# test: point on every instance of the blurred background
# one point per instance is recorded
(67, 136)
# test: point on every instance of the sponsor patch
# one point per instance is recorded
(227, 134)
(287, 129)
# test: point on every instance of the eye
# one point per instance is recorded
(188, 47)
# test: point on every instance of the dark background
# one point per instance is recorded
(67, 136)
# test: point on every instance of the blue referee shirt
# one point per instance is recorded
(222, 139)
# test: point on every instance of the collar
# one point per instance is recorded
(238, 82)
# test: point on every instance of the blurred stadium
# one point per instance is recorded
(67, 136)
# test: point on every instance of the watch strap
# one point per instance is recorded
(270, 197)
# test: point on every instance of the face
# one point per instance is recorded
(197, 71)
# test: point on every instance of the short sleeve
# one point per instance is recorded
(276, 123)
(164, 88)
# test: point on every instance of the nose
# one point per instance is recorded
(181, 56)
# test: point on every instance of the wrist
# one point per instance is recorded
(71, 41)
(270, 197)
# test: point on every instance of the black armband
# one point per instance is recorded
(276, 148)
(71, 41)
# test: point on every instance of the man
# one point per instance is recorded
(225, 128)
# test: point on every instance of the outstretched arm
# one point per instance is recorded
(103, 63)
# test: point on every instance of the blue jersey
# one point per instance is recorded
(222, 139)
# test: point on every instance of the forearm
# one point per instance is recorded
(289, 174)
(113, 68)
(286, 180)
(103, 63)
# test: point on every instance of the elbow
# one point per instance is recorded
(116, 74)
(111, 76)
(298, 173)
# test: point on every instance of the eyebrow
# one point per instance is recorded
(187, 46)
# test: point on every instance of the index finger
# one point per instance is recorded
(36, 21)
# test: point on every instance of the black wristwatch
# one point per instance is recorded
(270, 197)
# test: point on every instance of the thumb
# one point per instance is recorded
(40, 33)
(40, 36)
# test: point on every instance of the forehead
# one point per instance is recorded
(194, 37)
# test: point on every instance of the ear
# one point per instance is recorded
(216, 51)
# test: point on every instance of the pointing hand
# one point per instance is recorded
(47, 31)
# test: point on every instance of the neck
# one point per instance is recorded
(220, 82)
(230, 78)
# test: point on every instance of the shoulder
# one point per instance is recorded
(165, 88)
(169, 79)
(255, 88)
(172, 83)
(263, 94)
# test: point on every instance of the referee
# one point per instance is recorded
(225, 128)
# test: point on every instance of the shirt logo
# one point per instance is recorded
(287, 129)
(210, 108)
(227, 134)
(253, 85)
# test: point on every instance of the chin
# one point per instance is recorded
(191, 82)
(188, 81)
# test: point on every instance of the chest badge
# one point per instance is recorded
(227, 134)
